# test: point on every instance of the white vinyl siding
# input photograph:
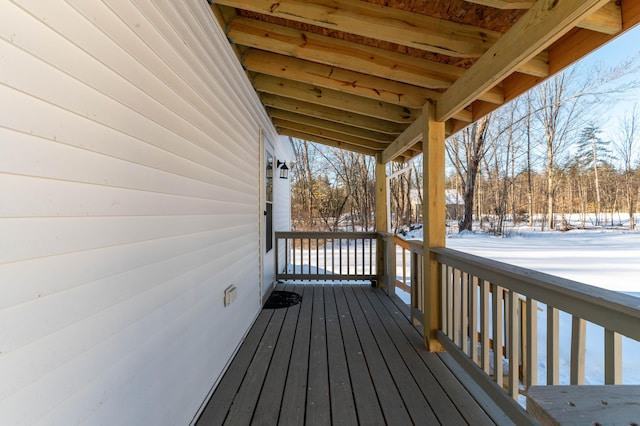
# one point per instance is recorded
(129, 184)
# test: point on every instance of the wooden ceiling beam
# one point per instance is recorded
(332, 114)
(542, 25)
(607, 19)
(351, 56)
(564, 52)
(331, 98)
(408, 139)
(380, 22)
(329, 125)
(387, 24)
(326, 141)
(329, 134)
(341, 80)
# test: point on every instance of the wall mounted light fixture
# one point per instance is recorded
(284, 170)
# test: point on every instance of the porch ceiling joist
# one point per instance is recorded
(388, 24)
(358, 72)
(332, 114)
(341, 80)
(408, 139)
(351, 56)
(331, 98)
(542, 25)
(327, 141)
(605, 20)
(330, 125)
(330, 134)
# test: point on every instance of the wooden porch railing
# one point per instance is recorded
(488, 304)
(326, 255)
(489, 309)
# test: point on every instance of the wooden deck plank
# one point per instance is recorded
(443, 408)
(414, 400)
(342, 404)
(318, 403)
(467, 406)
(243, 406)
(367, 408)
(346, 355)
(268, 408)
(218, 406)
(391, 403)
(475, 394)
(294, 401)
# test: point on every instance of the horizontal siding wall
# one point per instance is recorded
(129, 200)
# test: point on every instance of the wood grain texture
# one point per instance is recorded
(357, 346)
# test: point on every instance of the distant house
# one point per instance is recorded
(453, 200)
(454, 203)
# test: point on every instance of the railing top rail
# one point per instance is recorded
(324, 234)
(415, 245)
(609, 309)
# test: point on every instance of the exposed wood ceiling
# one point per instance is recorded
(355, 73)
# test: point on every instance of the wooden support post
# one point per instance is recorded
(381, 217)
(433, 217)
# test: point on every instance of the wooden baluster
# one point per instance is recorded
(473, 319)
(362, 254)
(578, 337)
(355, 254)
(464, 319)
(371, 256)
(531, 350)
(457, 308)
(514, 341)
(612, 358)
(340, 258)
(498, 328)
(404, 267)
(484, 325)
(553, 363)
(444, 302)
(450, 280)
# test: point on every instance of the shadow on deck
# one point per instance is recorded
(348, 355)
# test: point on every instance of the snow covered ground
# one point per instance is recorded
(604, 258)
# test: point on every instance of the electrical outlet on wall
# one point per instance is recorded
(230, 294)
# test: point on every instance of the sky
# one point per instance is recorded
(611, 54)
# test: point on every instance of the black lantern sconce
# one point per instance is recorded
(284, 170)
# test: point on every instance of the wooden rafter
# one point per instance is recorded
(408, 139)
(380, 22)
(329, 134)
(329, 125)
(355, 72)
(332, 114)
(387, 24)
(331, 98)
(607, 19)
(543, 24)
(355, 57)
(327, 141)
(341, 80)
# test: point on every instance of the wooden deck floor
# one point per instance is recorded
(346, 355)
